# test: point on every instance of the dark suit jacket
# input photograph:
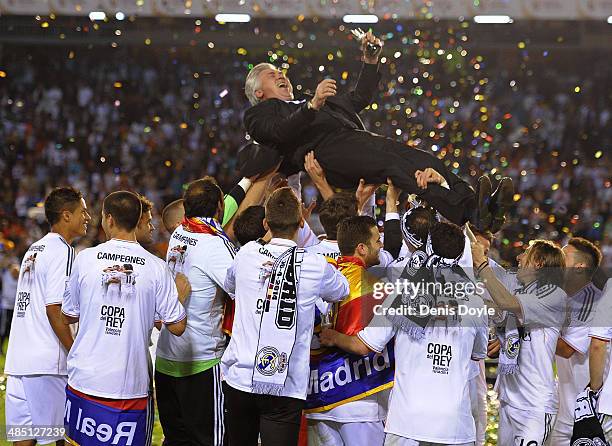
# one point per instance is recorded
(294, 130)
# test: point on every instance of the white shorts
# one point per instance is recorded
(396, 440)
(333, 433)
(561, 434)
(478, 399)
(36, 400)
(523, 427)
(606, 426)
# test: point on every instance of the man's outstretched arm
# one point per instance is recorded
(254, 196)
(369, 77)
(372, 338)
(60, 328)
(366, 86)
(317, 176)
(393, 233)
(351, 344)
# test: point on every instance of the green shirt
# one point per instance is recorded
(231, 206)
(180, 369)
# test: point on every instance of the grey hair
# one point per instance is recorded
(252, 82)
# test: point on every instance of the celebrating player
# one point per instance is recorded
(36, 357)
(536, 313)
(582, 260)
(275, 287)
(352, 413)
(187, 376)
(430, 403)
(108, 373)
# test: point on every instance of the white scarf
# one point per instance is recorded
(277, 327)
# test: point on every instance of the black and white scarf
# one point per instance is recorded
(587, 423)
(407, 233)
(278, 324)
(424, 271)
(406, 305)
(510, 339)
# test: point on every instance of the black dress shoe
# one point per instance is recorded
(501, 202)
(483, 193)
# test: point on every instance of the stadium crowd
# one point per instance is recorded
(160, 120)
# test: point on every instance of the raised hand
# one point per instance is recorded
(364, 192)
(325, 89)
(478, 254)
(393, 194)
(392, 197)
(307, 210)
(371, 38)
(317, 175)
(314, 169)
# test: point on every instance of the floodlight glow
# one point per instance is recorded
(360, 18)
(120, 15)
(493, 19)
(233, 18)
(97, 15)
(610, 20)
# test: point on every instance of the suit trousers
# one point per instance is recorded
(351, 154)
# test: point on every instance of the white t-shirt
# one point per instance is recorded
(117, 290)
(602, 329)
(248, 285)
(405, 250)
(33, 348)
(204, 259)
(533, 386)
(430, 400)
(327, 248)
(370, 409)
(412, 261)
(306, 237)
(573, 372)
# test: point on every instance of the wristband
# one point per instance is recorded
(481, 267)
(245, 184)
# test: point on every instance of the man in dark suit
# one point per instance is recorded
(330, 125)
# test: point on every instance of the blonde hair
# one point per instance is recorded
(550, 259)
